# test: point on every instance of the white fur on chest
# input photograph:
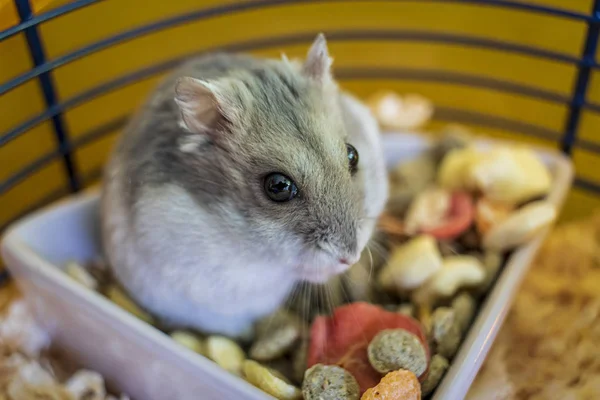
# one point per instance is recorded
(175, 261)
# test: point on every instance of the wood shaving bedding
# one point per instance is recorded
(548, 347)
(28, 371)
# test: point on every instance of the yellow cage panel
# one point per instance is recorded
(90, 24)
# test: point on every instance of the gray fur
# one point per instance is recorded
(187, 226)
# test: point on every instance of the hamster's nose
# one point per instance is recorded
(348, 261)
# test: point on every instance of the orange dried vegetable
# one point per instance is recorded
(397, 385)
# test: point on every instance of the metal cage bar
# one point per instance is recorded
(38, 56)
(341, 35)
(588, 58)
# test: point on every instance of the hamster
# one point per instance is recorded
(237, 179)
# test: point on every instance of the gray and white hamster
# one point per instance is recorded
(237, 179)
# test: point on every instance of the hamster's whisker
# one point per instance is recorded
(270, 320)
(319, 289)
(330, 299)
(293, 297)
(302, 301)
(309, 301)
(371, 262)
(345, 293)
(379, 249)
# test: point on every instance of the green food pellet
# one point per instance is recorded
(464, 308)
(445, 331)
(394, 349)
(437, 369)
(329, 382)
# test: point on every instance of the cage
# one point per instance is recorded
(71, 72)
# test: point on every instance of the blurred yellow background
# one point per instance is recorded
(67, 33)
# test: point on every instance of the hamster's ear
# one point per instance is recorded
(198, 104)
(318, 63)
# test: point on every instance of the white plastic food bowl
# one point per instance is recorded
(144, 362)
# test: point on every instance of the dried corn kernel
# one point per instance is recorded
(189, 340)
(437, 369)
(226, 353)
(81, 275)
(521, 226)
(411, 264)
(269, 381)
(397, 385)
(394, 349)
(445, 331)
(329, 382)
(117, 296)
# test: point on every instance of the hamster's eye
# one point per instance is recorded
(280, 188)
(352, 157)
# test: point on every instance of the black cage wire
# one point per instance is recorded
(42, 71)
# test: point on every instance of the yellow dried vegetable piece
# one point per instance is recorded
(457, 272)
(510, 175)
(411, 264)
(226, 353)
(454, 171)
(521, 226)
(117, 296)
(269, 381)
(188, 340)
